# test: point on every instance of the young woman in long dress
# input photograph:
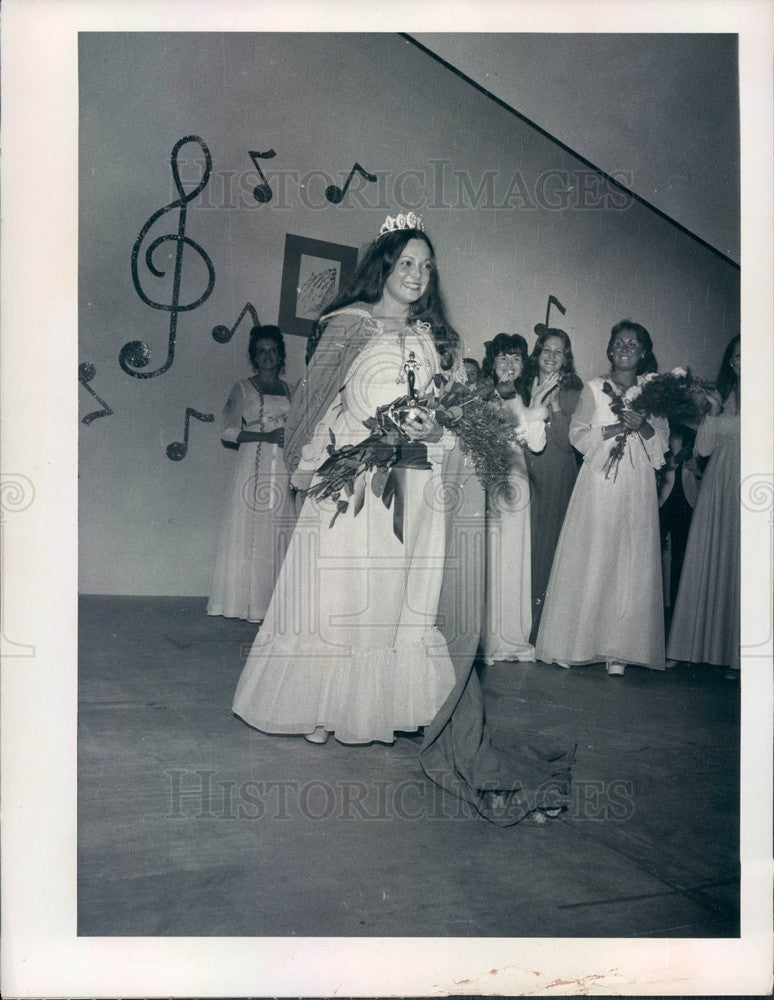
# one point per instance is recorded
(508, 590)
(552, 471)
(349, 645)
(367, 635)
(706, 621)
(260, 514)
(604, 599)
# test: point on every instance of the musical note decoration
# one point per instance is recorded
(179, 449)
(553, 301)
(86, 372)
(222, 334)
(136, 354)
(262, 192)
(335, 194)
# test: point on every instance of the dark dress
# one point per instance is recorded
(675, 507)
(706, 626)
(459, 751)
(552, 475)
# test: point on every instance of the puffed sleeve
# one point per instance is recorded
(534, 433)
(584, 436)
(231, 421)
(530, 429)
(657, 445)
(706, 436)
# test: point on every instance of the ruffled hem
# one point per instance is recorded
(569, 661)
(368, 695)
(525, 654)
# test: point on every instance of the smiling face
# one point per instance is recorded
(626, 351)
(410, 276)
(266, 358)
(552, 356)
(508, 367)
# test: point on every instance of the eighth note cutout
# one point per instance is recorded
(262, 192)
(222, 334)
(335, 194)
(553, 301)
(179, 449)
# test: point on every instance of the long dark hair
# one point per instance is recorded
(648, 361)
(507, 343)
(367, 285)
(267, 332)
(568, 377)
(727, 380)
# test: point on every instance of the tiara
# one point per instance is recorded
(407, 221)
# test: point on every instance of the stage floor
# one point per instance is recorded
(191, 823)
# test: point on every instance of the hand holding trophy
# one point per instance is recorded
(415, 421)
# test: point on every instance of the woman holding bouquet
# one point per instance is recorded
(508, 593)
(364, 637)
(552, 471)
(604, 599)
(705, 625)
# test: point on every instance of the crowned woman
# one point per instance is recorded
(366, 636)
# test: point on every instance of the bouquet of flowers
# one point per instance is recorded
(676, 395)
(470, 412)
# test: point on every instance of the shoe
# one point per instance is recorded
(614, 668)
(561, 663)
(320, 735)
(731, 675)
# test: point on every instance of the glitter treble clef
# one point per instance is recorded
(136, 354)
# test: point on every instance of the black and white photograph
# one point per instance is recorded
(415, 540)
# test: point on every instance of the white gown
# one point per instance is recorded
(350, 641)
(508, 618)
(605, 597)
(260, 514)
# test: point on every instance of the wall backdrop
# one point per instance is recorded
(514, 218)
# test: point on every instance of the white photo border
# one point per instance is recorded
(41, 953)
